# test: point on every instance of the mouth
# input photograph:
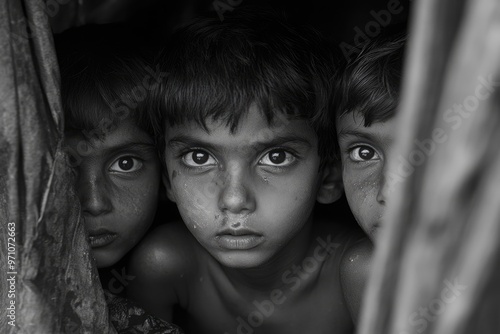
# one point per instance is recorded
(101, 238)
(238, 239)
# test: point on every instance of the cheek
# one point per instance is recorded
(137, 201)
(288, 196)
(288, 201)
(195, 198)
(361, 191)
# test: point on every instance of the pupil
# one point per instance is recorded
(200, 157)
(277, 157)
(366, 153)
(125, 163)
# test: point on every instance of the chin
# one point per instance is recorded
(372, 232)
(240, 259)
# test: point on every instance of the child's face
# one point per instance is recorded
(244, 195)
(364, 153)
(118, 181)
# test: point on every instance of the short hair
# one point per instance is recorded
(101, 78)
(370, 84)
(217, 69)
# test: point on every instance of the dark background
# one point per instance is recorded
(158, 18)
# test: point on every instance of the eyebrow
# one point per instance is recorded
(256, 146)
(140, 146)
(354, 133)
(134, 145)
(366, 135)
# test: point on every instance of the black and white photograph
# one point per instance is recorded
(250, 167)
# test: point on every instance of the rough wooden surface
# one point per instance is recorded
(437, 268)
(57, 289)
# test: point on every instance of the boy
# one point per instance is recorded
(365, 100)
(248, 147)
(109, 138)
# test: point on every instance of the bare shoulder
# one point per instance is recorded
(161, 266)
(357, 257)
(164, 251)
(354, 248)
(354, 271)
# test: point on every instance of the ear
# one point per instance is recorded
(168, 185)
(331, 186)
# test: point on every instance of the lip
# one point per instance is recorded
(239, 242)
(237, 232)
(238, 239)
(101, 238)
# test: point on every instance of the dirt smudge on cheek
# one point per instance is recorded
(193, 206)
(198, 216)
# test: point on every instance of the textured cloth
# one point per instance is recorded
(127, 318)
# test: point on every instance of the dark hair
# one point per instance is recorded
(217, 69)
(370, 83)
(102, 78)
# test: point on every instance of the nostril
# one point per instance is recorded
(95, 201)
(235, 199)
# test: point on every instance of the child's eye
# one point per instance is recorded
(277, 157)
(126, 165)
(363, 153)
(198, 158)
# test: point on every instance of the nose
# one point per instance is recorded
(383, 189)
(237, 195)
(93, 194)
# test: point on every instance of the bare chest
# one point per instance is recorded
(302, 304)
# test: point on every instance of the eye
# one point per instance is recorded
(277, 157)
(363, 153)
(126, 165)
(198, 158)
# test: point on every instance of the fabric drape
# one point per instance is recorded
(56, 289)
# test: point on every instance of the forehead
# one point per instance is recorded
(252, 128)
(123, 133)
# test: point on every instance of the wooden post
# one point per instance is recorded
(437, 267)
